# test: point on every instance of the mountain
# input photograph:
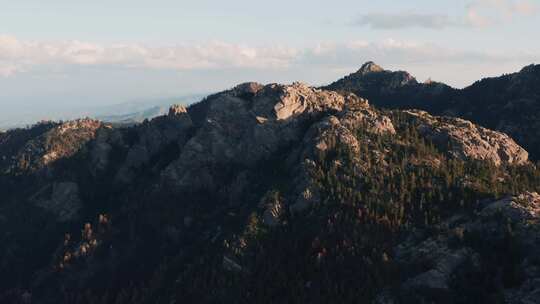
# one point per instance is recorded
(269, 194)
(509, 103)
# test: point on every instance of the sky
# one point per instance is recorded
(64, 57)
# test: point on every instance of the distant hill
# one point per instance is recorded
(135, 117)
(125, 113)
(509, 103)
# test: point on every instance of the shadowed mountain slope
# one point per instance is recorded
(269, 194)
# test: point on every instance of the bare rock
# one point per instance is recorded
(370, 67)
(62, 141)
(298, 97)
(245, 125)
(466, 140)
(523, 207)
(333, 131)
(340, 129)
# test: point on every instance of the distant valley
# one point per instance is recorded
(129, 112)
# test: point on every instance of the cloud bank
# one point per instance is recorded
(18, 56)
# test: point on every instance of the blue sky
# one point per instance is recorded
(58, 57)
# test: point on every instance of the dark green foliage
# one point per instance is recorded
(169, 247)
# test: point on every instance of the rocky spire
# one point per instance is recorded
(370, 67)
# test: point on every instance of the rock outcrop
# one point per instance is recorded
(443, 263)
(245, 125)
(61, 141)
(460, 251)
(338, 130)
(508, 103)
(463, 139)
(370, 67)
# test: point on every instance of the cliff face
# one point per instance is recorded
(260, 182)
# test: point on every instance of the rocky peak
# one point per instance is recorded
(247, 88)
(247, 124)
(370, 67)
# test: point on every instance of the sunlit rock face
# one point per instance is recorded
(467, 140)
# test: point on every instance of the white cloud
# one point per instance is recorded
(17, 56)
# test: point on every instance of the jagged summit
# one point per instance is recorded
(370, 67)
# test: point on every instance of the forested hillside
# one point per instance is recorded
(269, 194)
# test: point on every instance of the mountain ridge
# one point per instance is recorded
(509, 103)
(268, 193)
